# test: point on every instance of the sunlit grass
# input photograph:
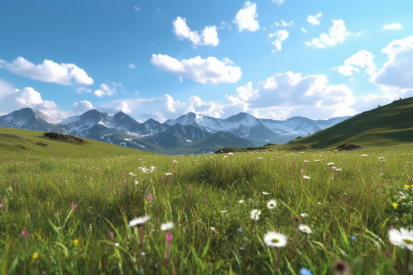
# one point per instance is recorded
(209, 198)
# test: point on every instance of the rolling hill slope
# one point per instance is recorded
(391, 124)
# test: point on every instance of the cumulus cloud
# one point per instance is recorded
(82, 90)
(392, 26)
(313, 19)
(209, 70)
(82, 106)
(246, 18)
(48, 71)
(285, 23)
(28, 97)
(363, 59)
(397, 72)
(6, 89)
(278, 2)
(280, 36)
(337, 34)
(107, 90)
(209, 35)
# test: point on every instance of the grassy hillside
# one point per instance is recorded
(391, 124)
(66, 208)
(17, 149)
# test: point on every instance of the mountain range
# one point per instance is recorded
(189, 133)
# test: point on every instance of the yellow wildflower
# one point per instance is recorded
(35, 255)
(75, 242)
(146, 202)
(400, 199)
(395, 205)
(146, 236)
(406, 186)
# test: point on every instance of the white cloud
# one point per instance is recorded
(209, 70)
(278, 2)
(136, 8)
(209, 35)
(392, 26)
(280, 36)
(337, 34)
(363, 59)
(6, 89)
(227, 61)
(48, 71)
(82, 106)
(287, 24)
(132, 66)
(82, 90)
(108, 90)
(397, 72)
(28, 97)
(246, 18)
(303, 30)
(313, 19)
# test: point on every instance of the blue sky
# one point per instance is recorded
(161, 59)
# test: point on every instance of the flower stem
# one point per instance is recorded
(278, 259)
(140, 236)
(407, 260)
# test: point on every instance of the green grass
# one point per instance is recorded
(39, 185)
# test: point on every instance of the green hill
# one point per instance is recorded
(12, 147)
(391, 124)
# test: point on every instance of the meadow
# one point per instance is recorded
(67, 209)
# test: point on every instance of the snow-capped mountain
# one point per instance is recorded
(186, 128)
(29, 119)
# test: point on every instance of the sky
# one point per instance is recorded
(161, 59)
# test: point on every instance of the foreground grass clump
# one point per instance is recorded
(243, 213)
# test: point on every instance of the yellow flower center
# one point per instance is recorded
(408, 241)
(275, 240)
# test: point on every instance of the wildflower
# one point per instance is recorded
(402, 238)
(136, 182)
(224, 211)
(275, 239)
(306, 177)
(240, 201)
(168, 240)
(265, 193)
(260, 158)
(305, 228)
(230, 153)
(112, 236)
(330, 163)
(149, 197)
(205, 201)
(304, 215)
(305, 271)
(240, 230)
(395, 205)
(132, 174)
(353, 238)
(75, 242)
(139, 221)
(116, 244)
(35, 255)
(74, 207)
(316, 160)
(255, 214)
(406, 186)
(167, 226)
(271, 204)
(302, 171)
(168, 174)
(364, 155)
(25, 233)
(402, 196)
(213, 228)
(341, 267)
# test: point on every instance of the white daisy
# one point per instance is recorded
(330, 163)
(224, 211)
(304, 215)
(305, 228)
(240, 201)
(402, 238)
(167, 226)
(275, 239)
(255, 214)
(136, 182)
(364, 155)
(139, 221)
(260, 158)
(317, 160)
(168, 174)
(271, 204)
(265, 193)
(213, 228)
(306, 177)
